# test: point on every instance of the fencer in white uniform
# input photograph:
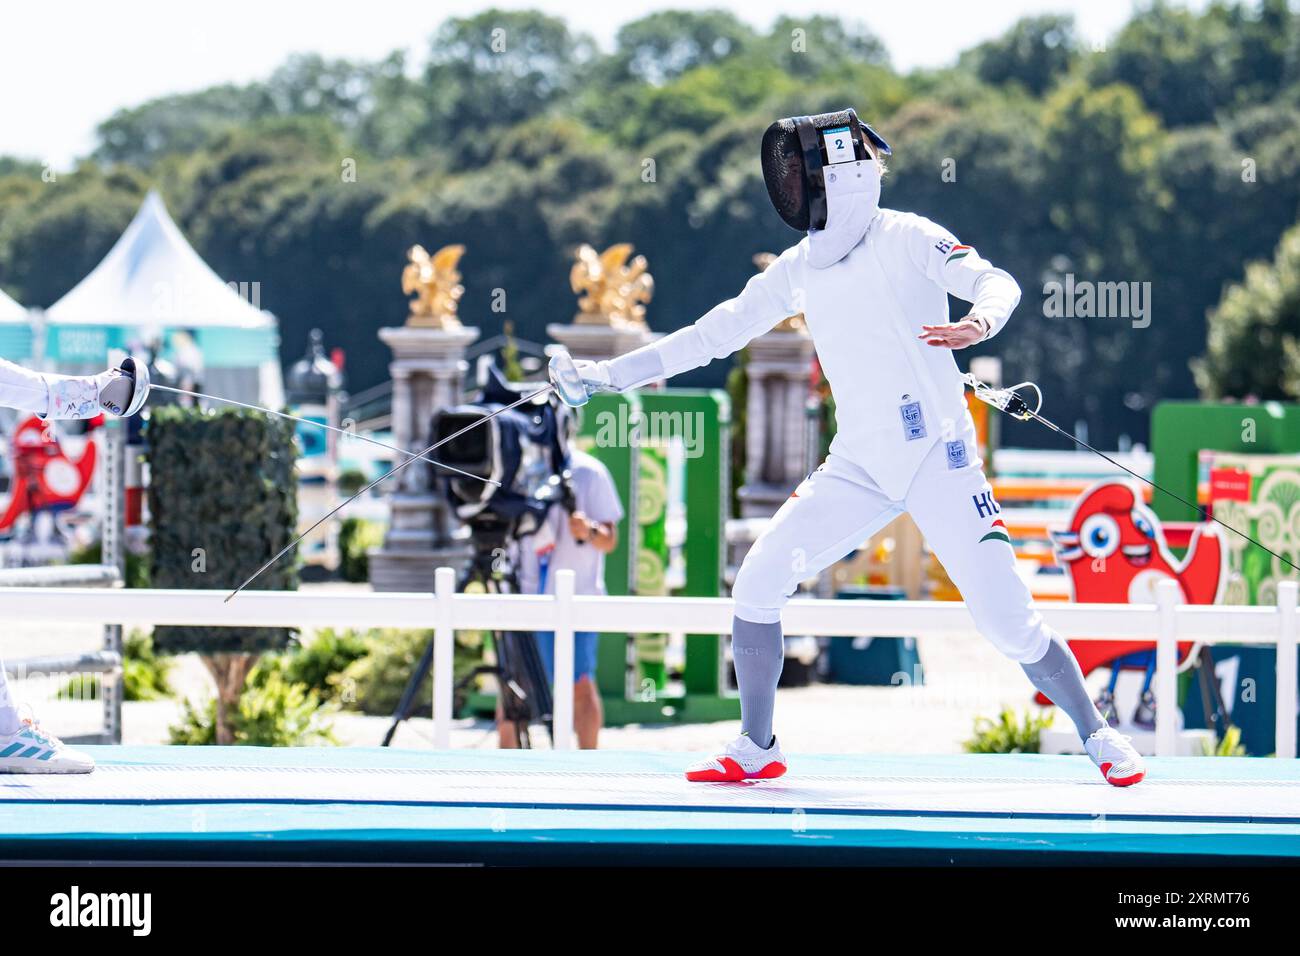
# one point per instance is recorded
(873, 286)
(26, 747)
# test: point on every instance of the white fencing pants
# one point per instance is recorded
(838, 507)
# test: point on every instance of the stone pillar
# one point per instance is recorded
(776, 438)
(428, 370)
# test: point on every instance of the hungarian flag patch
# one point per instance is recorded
(958, 252)
(997, 532)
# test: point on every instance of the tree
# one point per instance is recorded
(52, 240)
(184, 123)
(1035, 54)
(662, 46)
(310, 85)
(1254, 332)
(1188, 66)
(821, 46)
(493, 70)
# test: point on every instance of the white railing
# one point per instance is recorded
(564, 613)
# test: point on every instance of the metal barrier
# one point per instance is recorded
(1167, 622)
(61, 576)
(107, 663)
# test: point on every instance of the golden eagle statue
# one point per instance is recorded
(435, 283)
(611, 290)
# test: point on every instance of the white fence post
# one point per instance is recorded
(444, 653)
(1167, 594)
(562, 689)
(1286, 668)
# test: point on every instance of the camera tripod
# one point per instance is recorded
(522, 686)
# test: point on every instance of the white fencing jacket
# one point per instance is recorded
(895, 396)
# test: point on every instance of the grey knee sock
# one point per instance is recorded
(759, 651)
(1058, 676)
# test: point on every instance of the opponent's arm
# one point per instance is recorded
(121, 390)
(961, 271)
(767, 298)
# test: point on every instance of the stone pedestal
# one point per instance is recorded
(776, 427)
(428, 370)
(597, 342)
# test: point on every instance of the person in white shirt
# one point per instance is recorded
(578, 540)
(873, 286)
(24, 746)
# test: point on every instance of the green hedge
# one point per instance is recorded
(272, 712)
(356, 537)
(222, 501)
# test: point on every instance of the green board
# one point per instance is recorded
(612, 429)
(1266, 506)
(1181, 430)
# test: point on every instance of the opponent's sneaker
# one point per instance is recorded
(33, 750)
(742, 760)
(1114, 755)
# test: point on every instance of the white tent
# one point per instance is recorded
(151, 284)
(15, 331)
(11, 311)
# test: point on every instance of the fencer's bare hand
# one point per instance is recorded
(955, 335)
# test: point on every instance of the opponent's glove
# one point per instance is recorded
(121, 390)
(576, 380)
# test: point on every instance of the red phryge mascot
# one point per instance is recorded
(1115, 553)
(45, 478)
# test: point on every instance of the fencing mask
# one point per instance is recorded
(822, 179)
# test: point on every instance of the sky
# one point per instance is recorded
(66, 67)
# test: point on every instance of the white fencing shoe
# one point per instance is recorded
(1114, 755)
(32, 750)
(742, 760)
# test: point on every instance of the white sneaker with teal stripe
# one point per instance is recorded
(32, 750)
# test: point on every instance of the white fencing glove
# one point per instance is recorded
(122, 390)
(576, 380)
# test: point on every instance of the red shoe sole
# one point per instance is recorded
(1126, 781)
(1120, 781)
(734, 773)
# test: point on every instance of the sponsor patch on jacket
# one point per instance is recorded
(956, 454)
(958, 252)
